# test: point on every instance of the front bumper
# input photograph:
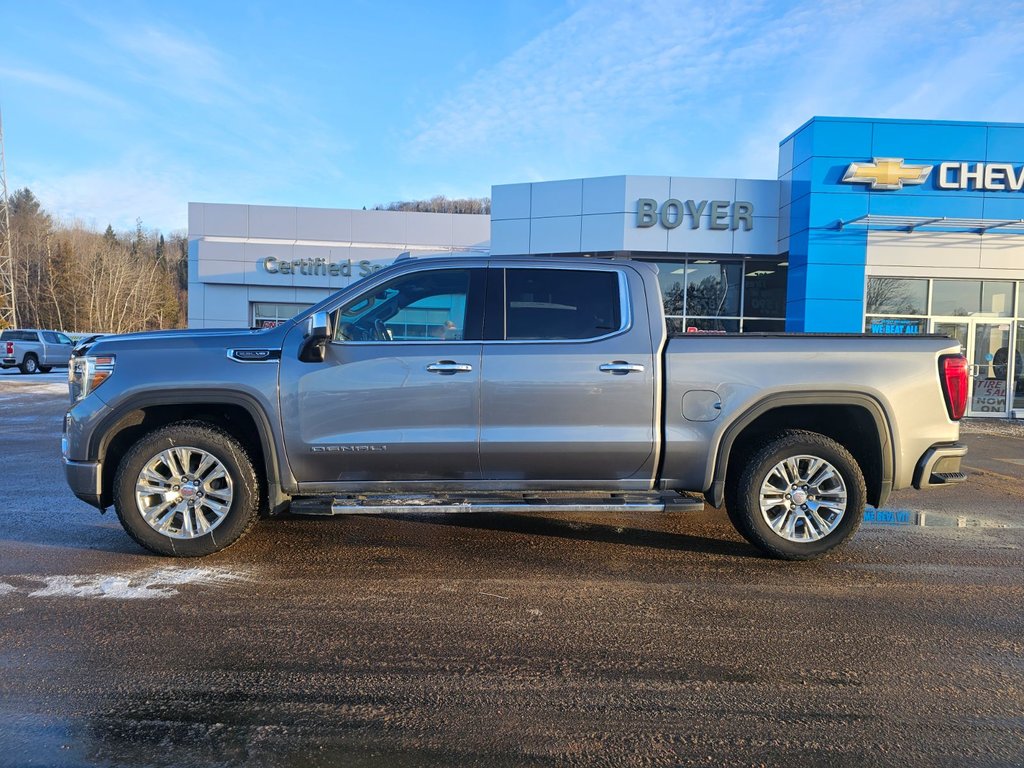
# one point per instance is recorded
(86, 481)
(940, 465)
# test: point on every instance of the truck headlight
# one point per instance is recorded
(88, 372)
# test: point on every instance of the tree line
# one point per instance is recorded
(73, 278)
(440, 204)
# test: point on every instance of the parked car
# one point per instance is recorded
(32, 350)
(557, 386)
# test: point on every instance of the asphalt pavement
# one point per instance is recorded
(508, 640)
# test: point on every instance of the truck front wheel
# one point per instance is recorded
(186, 490)
(798, 497)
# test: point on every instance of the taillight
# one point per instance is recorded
(10, 347)
(954, 384)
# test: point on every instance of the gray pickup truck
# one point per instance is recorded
(34, 351)
(504, 384)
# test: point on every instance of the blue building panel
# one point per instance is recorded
(930, 141)
(842, 138)
(952, 205)
(1005, 144)
(846, 247)
(1004, 208)
(832, 316)
(828, 262)
(785, 157)
(827, 209)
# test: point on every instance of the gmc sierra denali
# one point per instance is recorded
(473, 384)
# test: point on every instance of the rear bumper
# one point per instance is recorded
(940, 465)
(8, 362)
(85, 479)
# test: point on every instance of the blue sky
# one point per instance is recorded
(114, 111)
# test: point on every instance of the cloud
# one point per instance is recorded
(568, 85)
(137, 186)
(711, 88)
(62, 84)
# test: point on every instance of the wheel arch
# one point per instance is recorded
(237, 413)
(858, 421)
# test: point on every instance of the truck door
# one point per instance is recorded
(569, 376)
(56, 348)
(398, 396)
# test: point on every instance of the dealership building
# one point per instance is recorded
(878, 226)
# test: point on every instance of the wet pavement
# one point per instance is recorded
(507, 640)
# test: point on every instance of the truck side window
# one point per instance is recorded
(558, 304)
(425, 306)
(50, 337)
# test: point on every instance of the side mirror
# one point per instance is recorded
(314, 340)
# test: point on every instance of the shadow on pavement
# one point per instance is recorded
(586, 531)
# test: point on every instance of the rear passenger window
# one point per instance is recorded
(561, 304)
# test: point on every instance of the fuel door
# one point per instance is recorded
(701, 405)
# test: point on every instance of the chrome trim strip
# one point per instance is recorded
(425, 509)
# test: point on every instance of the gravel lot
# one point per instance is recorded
(499, 640)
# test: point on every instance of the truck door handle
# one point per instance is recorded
(621, 367)
(448, 367)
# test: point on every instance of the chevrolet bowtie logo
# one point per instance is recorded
(887, 173)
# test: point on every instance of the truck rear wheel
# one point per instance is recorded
(29, 364)
(798, 497)
(186, 490)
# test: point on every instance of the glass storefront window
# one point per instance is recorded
(716, 295)
(713, 288)
(964, 298)
(703, 325)
(268, 315)
(1017, 374)
(997, 298)
(764, 326)
(764, 288)
(672, 278)
(898, 326)
(959, 298)
(897, 296)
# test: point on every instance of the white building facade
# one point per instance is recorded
(256, 265)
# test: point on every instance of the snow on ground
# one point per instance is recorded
(155, 583)
(15, 384)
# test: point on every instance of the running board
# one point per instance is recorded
(407, 504)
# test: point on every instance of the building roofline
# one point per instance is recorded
(898, 120)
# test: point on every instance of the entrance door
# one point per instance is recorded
(986, 344)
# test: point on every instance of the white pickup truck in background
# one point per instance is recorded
(34, 351)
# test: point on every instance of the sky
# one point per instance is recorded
(115, 111)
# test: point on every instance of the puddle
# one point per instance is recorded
(912, 518)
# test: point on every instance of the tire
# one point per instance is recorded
(789, 528)
(29, 364)
(225, 506)
(45, 368)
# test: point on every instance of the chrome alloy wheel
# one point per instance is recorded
(803, 498)
(183, 492)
